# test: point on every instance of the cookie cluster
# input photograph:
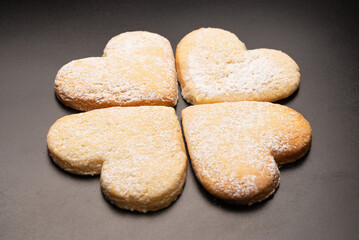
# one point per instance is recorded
(131, 135)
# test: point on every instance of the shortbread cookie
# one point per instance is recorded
(213, 65)
(235, 147)
(137, 68)
(138, 150)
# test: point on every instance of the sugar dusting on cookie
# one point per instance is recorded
(215, 66)
(250, 72)
(231, 145)
(141, 149)
(137, 69)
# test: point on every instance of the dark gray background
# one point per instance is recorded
(318, 195)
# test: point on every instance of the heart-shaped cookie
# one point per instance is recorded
(235, 147)
(138, 150)
(213, 65)
(137, 68)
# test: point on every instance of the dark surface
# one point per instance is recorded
(318, 195)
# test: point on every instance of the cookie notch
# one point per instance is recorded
(137, 68)
(139, 152)
(213, 66)
(235, 147)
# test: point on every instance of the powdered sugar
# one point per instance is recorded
(112, 80)
(215, 66)
(249, 72)
(231, 145)
(141, 148)
(137, 68)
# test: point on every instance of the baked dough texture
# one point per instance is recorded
(139, 152)
(213, 65)
(235, 147)
(137, 68)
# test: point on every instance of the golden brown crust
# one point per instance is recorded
(213, 65)
(137, 69)
(235, 147)
(138, 150)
